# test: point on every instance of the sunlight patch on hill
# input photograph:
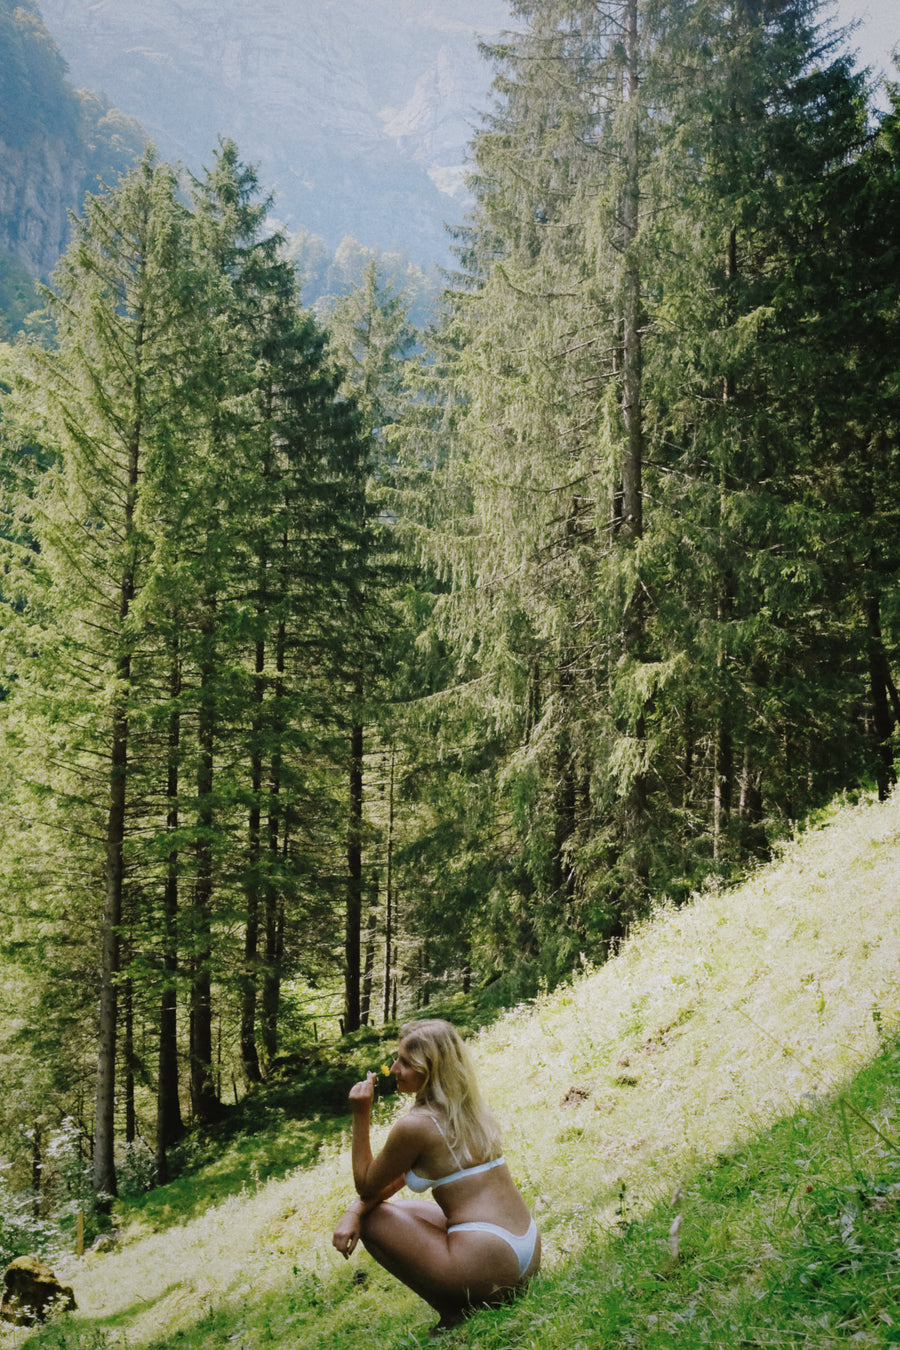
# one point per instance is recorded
(713, 1020)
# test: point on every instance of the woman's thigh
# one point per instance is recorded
(427, 1210)
(406, 1237)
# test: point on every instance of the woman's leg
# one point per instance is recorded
(409, 1238)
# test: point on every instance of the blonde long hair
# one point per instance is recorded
(435, 1048)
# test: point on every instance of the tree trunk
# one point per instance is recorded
(750, 806)
(128, 1056)
(632, 352)
(723, 772)
(104, 1133)
(687, 762)
(423, 992)
(563, 875)
(365, 1002)
(249, 1052)
(354, 881)
(389, 900)
(632, 510)
(277, 826)
(203, 1093)
(37, 1169)
(723, 745)
(271, 991)
(104, 1172)
(169, 1124)
(879, 692)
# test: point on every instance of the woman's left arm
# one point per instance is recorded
(349, 1226)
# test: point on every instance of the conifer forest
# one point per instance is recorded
(348, 660)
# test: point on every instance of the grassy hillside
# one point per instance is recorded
(706, 1128)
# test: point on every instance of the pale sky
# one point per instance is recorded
(878, 34)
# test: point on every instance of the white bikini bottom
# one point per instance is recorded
(523, 1244)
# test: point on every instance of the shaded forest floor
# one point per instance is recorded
(706, 1127)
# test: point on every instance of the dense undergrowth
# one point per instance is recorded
(708, 1129)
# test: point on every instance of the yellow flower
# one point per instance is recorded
(386, 1070)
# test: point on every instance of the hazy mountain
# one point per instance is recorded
(55, 145)
(358, 111)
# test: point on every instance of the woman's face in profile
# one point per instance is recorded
(409, 1078)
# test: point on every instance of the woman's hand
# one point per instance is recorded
(346, 1235)
(362, 1095)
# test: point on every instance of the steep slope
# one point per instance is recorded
(357, 110)
(711, 1024)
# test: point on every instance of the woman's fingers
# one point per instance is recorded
(364, 1091)
(346, 1235)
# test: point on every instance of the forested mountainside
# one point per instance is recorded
(56, 143)
(358, 111)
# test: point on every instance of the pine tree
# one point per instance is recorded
(293, 516)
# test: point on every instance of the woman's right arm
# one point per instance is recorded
(362, 1095)
(347, 1233)
(376, 1178)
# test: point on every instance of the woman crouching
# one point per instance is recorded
(475, 1243)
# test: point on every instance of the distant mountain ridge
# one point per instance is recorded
(358, 111)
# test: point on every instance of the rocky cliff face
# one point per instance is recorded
(55, 144)
(39, 182)
(358, 111)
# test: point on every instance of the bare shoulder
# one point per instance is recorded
(415, 1127)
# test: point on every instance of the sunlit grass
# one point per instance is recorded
(712, 1021)
(722, 1071)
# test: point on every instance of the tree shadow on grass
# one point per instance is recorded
(278, 1127)
(305, 1311)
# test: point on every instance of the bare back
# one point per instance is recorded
(489, 1196)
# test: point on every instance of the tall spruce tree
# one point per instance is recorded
(296, 479)
(767, 118)
(104, 397)
(549, 333)
(371, 337)
(840, 316)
